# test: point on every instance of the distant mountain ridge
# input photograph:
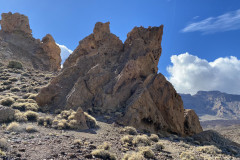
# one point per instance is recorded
(213, 104)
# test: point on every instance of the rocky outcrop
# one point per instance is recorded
(17, 43)
(210, 105)
(106, 77)
(12, 23)
(191, 123)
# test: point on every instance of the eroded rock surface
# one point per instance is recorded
(192, 124)
(17, 43)
(104, 76)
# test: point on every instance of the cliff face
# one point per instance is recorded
(214, 103)
(17, 43)
(106, 77)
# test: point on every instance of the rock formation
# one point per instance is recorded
(106, 77)
(17, 43)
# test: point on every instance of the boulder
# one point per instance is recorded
(191, 123)
(17, 44)
(105, 76)
(6, 114)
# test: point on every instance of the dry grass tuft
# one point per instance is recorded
(133, 156)
(14, 127)
(103, 154)
(147, 152)
(7, 101)
(142, 139)
(31, 129)
(209, 149)
(187, 156)
(105, 146)
(154, 137)
(31, 116)
(128, 140)
(129, 130)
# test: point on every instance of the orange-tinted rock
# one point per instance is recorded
(18, 44)
(15, 23)
(105, 76)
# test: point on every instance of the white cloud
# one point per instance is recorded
(226, 22)
(190, 74)
(65, 52)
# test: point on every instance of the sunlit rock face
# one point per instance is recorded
(17, 43)
(107, 77)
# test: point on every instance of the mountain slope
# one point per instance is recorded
(213, 103)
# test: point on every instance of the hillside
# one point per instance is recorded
(210, 105)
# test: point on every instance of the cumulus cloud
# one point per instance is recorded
(189, 74)
(226, 22)
(65, 52)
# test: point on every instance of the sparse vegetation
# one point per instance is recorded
(7, 101)
(105, 146)
(103, 154)
(141, 139)
(19, 116)
(15, 64)
(127, 139)
(14, 127)
(31, 129)
(31, 116)
(4, 144)
(209, 149)
(129, 130)
(133, 156)
(147, 152)
(158, 146)
(187, 156)
(154, 137)
(15, 89)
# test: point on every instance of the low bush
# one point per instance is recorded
(31, 116)
(103, 154)
(209, 149)
(14, 127)
(7, 101)
(142, 139)
(129, 130)
(133, 156)
(15, 64)
(187, 156)
(147, 152)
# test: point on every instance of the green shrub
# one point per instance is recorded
(15, 64)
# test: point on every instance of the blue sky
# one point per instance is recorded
(207, 29)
